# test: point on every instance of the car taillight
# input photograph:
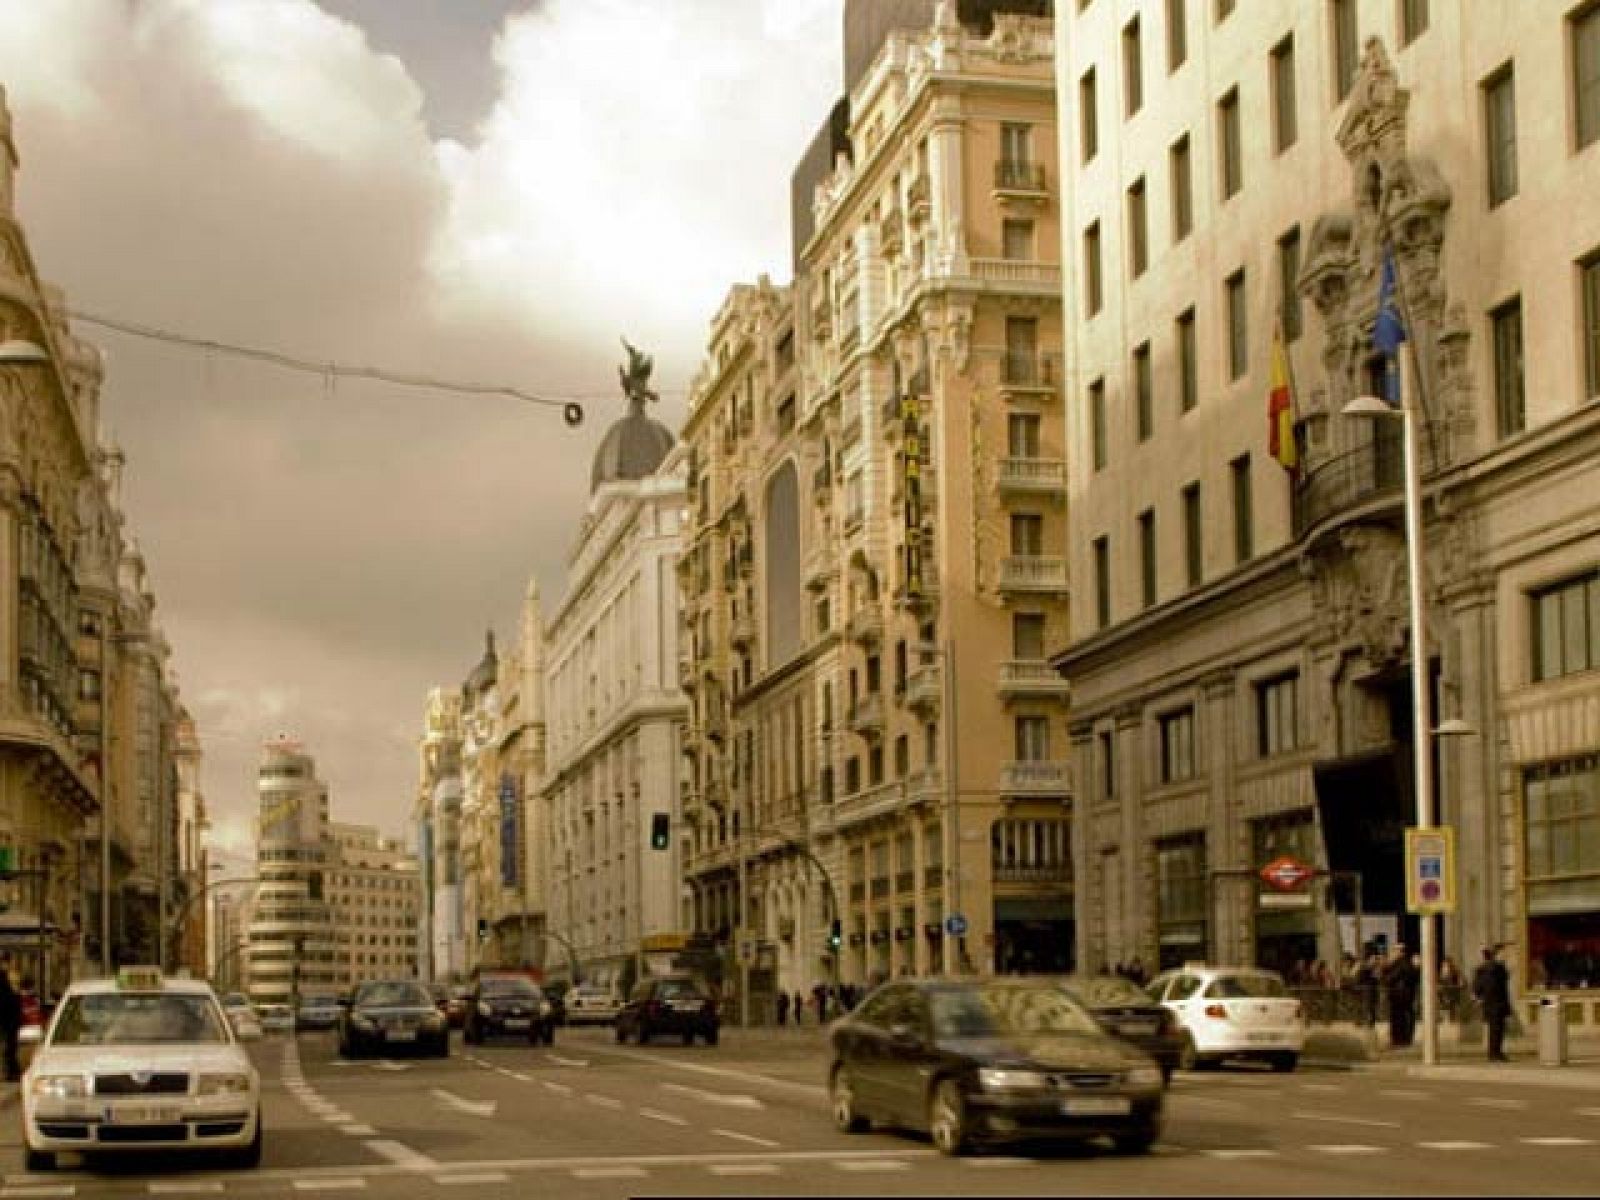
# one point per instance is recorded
(1297, 1010)
(1218, 1011)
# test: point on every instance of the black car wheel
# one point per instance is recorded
(622, 1034)
(39, 1160)
(549, 1035)
(642, 1033)
(947, 1118)
(1137, 1140)
(1285, 1061)
(442, 1048)
(249, 1157)
(688, 1037)
(711, 1037)
(847, 1118)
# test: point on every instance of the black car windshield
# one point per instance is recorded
(138, 1019)
(991, 1009)
(679, 989)
(1245, 987)
(1107, 991)
(396, 993)
(509, 985)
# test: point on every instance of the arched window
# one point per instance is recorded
(782, 565)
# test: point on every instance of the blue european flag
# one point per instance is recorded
(1389, 330)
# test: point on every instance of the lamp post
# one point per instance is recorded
(950, 831)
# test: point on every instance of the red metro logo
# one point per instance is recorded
(1285, 874)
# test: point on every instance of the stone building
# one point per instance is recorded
(1240, 649)
(374, 896)
(436, 814)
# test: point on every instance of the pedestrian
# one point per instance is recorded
(1137, 975)
(799, 1007)
(783, 1008)
(1400, 981)
(1491, 987)
(10, 1023)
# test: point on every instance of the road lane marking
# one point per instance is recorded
(478, 1108)
(1232, 1154)
(745, 1137)
(357, 1130)
(874, 1164)
(812, 1090)
(1589, 1112)
(517, 1075)
(1556, 1141)
(1002, 1161)
(46, 1189)
(477, 1177)
(568, 1062)
(1492, 1102)
(1376, 1124)
(602, 1101)
(559, 1089)
(384, 1064)
(609, 1173)
(1346, 1148)
(657, 1115)
(1322, 1087)
(1402, 1094)
(714, 1097)
(335, 1116)
(185, 1189)
(1455, 1145)
(743, 1169)
(341, 1184)
(401, 1155)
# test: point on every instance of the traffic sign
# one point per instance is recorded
(1430, 870)
(1286, 874)
(955, 925)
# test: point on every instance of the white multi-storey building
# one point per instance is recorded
(375, 894)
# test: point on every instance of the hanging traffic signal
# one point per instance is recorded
(836, 934)
(660, 830)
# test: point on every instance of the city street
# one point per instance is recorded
(749, 1117)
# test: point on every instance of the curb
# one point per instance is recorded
(1574, 1078)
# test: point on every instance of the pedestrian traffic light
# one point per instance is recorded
(835, 934)
(660, 830)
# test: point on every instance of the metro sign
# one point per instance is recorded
(1285, 874)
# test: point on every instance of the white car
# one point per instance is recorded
(276, 1018)
(242, 1016)
(1232, 1012)
(592, 1004)
(140, 1063)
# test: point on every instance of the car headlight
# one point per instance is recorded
(1007, 1079)
(484, 1010)
(230, 1083)
(60, 1087)
(432, 1021)
(544, 1008)
(361, 1022)
(1145, 1077)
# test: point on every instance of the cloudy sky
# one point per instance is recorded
(490, 190)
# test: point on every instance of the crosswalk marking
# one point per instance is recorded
(1455, 1145)
(1346, 1148)
(342, 1183)
(1556, 1141)
(608, 1173)
(657, 1115)
(45, 1189)
(743, 1169)
(476, 1177)
(1232, 1154)
(186, 1188)
(1496, 1102)
(874, 1164)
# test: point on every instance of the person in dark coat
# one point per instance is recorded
(10, 1023)
(799, 1008)
(1400, 980)
(1491, 987)
(783, 1008)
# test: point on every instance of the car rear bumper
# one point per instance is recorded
(1239, 1043)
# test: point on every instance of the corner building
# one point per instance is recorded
(1240, 648)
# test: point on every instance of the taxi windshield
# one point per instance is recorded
(987, 1010)
(139, 1018)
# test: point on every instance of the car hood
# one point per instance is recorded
(1050, 1051)
(394, 1010)
(116, 1060)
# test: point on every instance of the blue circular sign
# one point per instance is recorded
(955, 924)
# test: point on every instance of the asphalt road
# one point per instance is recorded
(588, 1118)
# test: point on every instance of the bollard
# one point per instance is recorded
(1552, 1032)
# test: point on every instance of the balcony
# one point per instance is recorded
(1033, 573)
(1033, 475)
(818, 566)
(925, 689)
(925, 595)
(743, 630)
(881, 800)
(1036, 777)
(1349, 481)
(1014, 179)
(1032, 678)
(866, 625)
(866, 715)
(926, 783)
(1028, 375)
(1024, 273)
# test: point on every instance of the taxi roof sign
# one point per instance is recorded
(139, 979)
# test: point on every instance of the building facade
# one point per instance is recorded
(436, 815)
(374, 893)
(1240, 651)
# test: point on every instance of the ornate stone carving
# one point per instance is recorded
(985, 512)
(1361, 586)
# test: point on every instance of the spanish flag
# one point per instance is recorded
(1280, 408)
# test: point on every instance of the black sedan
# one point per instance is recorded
(392, 1014)
(1125, 1009)
(669, 1004)
(990, 1060)
(509, 1006)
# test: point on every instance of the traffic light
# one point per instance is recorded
(660, 830)
(835, 934)
(483, 929)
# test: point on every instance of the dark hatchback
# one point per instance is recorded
(1125, 1009)
(392, 1014)
(509, 1005)
(990, 1060)
(671, 1005)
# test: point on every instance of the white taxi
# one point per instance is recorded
(140, 1062)
(1232, 1012)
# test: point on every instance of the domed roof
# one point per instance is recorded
(635, 446)
(486, 672)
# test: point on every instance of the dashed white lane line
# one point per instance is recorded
(1346, 1148)
(874, 1164)
(745, 1137)
(568, 1062)
(559, 1089)
(336, 1117)
(609, 1173)
(473, 1179)
(1556, 1141)
(1229, 1155)
(743, 1169)
(195, 1188)
(1455, 1145)
(337, 1184)
(1000, 1161)
(44, 1189)
(1402, 1094)
(1342, 1120)
(657, 1115)
(1322, 1087)
(1588, 1112)
(602, 1101)
(1496, 1102)
(358, 1130)
(401, 1155)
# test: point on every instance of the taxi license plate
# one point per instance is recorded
(142, 1114)
(1263, 1039)
(1097, 1106)
(402, 1035)
(517, 1022)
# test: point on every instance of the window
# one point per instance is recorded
(1276, 702)
(1183, 889)
(1022, 435)
(1177, 745)
(1138, 238)
(1586, 73)
(1566, 628)
(1346, 48)
(1561, 816)
(1032, 739)
(1285, 123)
(1093, 293)
(1188, 381)
(1506, 334)
(1102, 582)
(1238, 327)
(1088, 118)
(1016, 148)
(1193, 546)
(1177, 34)
(1027, 636)
(1016, 240)
(1289, 314)
(1108, 763)
(1182, 189)
(1027, 534)
(1230, 146)
(1413, 20)
(1144, 392)
(1243, 534)
(1589, 274)
(1132, 67)
(1500, 135)
(1147, 557)
(1097, 422)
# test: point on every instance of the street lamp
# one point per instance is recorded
(18, 352)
